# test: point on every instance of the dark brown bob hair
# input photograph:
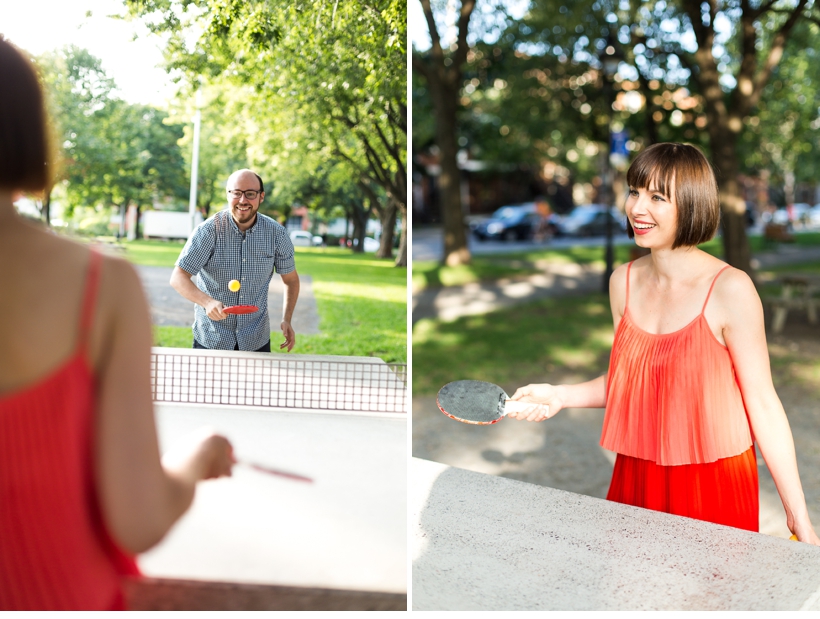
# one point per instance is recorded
(25, 146)
(681, 167)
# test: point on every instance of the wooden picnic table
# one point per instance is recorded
(797, 293)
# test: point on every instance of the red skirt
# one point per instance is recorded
(724, 492)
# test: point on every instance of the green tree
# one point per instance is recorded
(338, 67)
(113, 152)
(783, 133)
(77, 92)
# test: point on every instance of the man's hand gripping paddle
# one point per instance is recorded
(478, 402)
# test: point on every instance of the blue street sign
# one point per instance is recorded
(618, 140)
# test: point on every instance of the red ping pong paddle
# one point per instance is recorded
(240, 309)
(477, 402)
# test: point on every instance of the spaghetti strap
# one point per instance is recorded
(709, 294)
(89, 298)
(626, 301)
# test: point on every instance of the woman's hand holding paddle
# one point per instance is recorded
(538, 394)
(202, 455)
(591, 394)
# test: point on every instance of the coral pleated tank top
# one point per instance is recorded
(673, 398)
(54, 550)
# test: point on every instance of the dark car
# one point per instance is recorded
(590, 220)
(509, 223)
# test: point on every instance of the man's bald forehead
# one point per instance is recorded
(244, 176)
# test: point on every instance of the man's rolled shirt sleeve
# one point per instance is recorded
(199, 249)
(284, 261)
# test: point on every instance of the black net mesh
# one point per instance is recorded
(196, 378)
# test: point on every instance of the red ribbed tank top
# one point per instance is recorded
(673, 398)
(55, 553)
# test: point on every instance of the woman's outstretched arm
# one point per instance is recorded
(140, 497)
(591, 394)
(745, 335)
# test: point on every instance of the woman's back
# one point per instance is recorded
(63, 558)
(43, 290)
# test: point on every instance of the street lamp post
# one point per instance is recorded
(610, 58)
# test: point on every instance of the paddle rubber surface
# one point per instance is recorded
(240, 309)
(472, 401)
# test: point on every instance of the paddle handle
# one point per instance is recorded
(517, 406)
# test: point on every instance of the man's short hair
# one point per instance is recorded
(261, 184)
(259, 178)
(25, 145)
(684, 167)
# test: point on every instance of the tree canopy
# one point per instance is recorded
(736, 78)
(327, 78)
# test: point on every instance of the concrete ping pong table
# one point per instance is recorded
(259, 542)
(481, 542)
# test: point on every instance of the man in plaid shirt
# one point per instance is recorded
(237, 243)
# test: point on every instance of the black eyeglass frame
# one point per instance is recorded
(233, 193)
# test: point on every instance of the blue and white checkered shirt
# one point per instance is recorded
(218, 252)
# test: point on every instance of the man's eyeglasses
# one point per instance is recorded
(250, 194)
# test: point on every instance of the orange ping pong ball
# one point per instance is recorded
(234, 285)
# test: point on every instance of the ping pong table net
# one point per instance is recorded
(259, 379)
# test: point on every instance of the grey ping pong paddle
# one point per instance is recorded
(477, 402)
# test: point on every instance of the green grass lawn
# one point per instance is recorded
(514, 344)
(362, 301)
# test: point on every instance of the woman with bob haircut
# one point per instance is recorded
(82, 487)
(689, 387)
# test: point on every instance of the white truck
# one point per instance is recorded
(168, 224)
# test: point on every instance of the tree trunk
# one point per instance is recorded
(387, 217)
(359, 219)
(137, 231)
(443, 75)
(445, 97)
(45, 211)
(732, 206)
(401, 258)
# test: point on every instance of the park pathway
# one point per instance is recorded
(554, 279)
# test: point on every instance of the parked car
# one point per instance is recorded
(792, 214)
(590, 220)
(509, 223)
(301, 238)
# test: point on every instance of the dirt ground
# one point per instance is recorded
(564, 452)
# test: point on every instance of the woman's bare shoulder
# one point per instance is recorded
(735, 292)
